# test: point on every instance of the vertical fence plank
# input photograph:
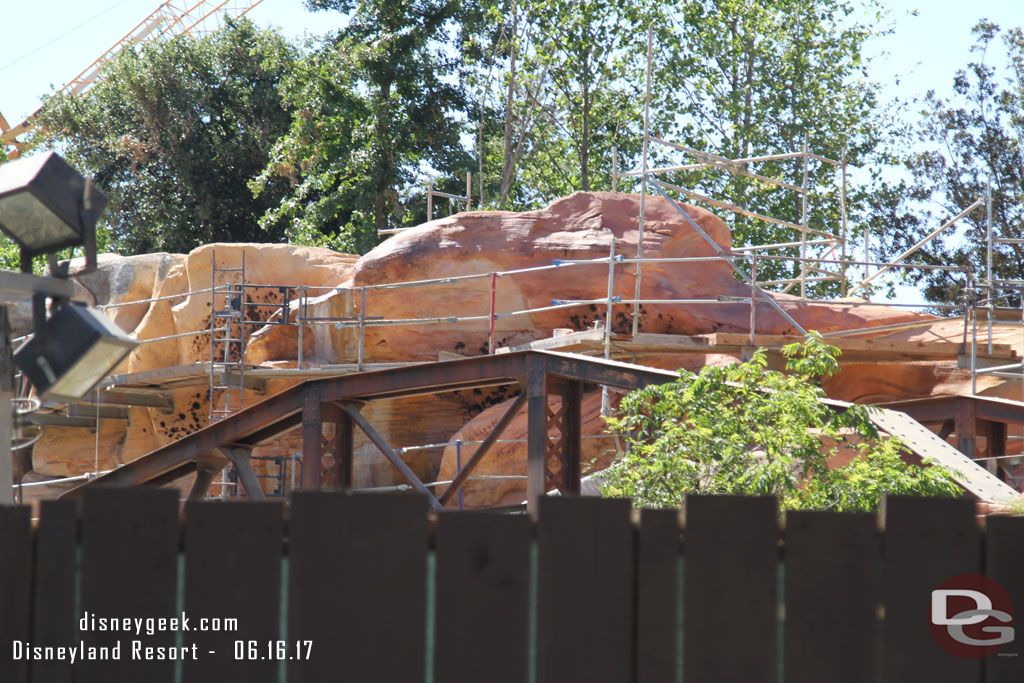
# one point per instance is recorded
(357, 586)
(657, 567)
(729, 610)
(483, 585)
(585, 590)
(1004, 562)
(832, 590)
(53, 593)
(927, 541)
(15, 563)
(129, 569)
(233, 555)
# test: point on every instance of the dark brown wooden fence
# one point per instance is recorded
(587, 593)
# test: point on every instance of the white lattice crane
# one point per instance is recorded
(172, 18)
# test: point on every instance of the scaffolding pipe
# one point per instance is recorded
(643, 181)
(774, 304)
(490, 337)
(932, 235)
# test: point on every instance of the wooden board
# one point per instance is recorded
(881, 348)
(233, 554)
(129, 569)
(657, 596)
(832, 590)
(927, 542)
(584, 590)
(1004, 562)
(15, 540)
(356, 586)
(482, 598)
(729, 593)
(53, 595)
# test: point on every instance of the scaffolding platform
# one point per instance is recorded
(592, 342)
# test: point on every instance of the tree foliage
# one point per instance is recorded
(173, 132)
(374, 106)
(965, 143)
(747, 430)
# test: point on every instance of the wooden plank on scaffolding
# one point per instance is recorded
(657, 598)
(357, 585)
(233, 557)
(483, 597)
(15, 563)
(53, 593)
(585, 590)
(832, 591)
(729, 589)
(880, 349)
(927, 542)
(1004, 562)
(129, 569)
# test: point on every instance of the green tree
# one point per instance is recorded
(965, 143)
(766, 79)
(743, 429)
(375, 107)
(173, 132)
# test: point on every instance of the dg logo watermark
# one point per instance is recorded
(971, 616)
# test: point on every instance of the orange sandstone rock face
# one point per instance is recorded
(582, 226)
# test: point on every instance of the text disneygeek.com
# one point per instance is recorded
(139, 650)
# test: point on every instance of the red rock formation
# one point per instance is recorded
(581, 226)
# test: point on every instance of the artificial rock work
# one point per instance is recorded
(581, 226)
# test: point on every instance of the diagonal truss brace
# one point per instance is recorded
(728, 257)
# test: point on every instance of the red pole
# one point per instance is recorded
(494, 289)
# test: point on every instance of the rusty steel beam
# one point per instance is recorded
(483, 449)
(287, 409)
(606, 372)
(344, 450)
(312, 439)
(246, 475)
(537, 433)
(205, 475)
(171, 476)
(572, 429)
(192, 446)
(389, 453)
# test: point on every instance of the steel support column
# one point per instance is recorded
(572, 427)
(389, 453)
(312, 439)
(537, 432)
(246, 475)
(966, 417)
(344, 452)
(205, 474)
(483, 449)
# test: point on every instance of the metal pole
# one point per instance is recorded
(469, 190)
(362, 328)
(643, 182)
(458, 465)
(298, 318)
(991, 283)
(842, 210)
(867, 258)
(430, 202)
(974, 347)
(803, 224)
(605, 407)
(753, 298)
(6, 415)
(494, 293)
(615, 168)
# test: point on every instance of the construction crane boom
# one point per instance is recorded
(172, 18)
